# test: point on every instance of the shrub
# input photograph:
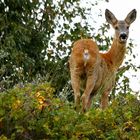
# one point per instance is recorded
(33, 112)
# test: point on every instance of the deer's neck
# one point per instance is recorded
(116, 53)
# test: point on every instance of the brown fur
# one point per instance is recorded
(98, 69)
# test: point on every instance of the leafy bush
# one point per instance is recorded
(33, 112)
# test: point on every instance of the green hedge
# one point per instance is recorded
(32, 112)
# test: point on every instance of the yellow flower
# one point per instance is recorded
(16, 104)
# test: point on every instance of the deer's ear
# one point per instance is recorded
(131, 17)
(110, 17)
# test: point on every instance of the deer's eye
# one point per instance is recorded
(116, 28)
(127, 27)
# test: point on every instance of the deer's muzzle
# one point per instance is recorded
(123, 37)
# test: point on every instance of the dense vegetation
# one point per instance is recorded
(35, 92)
(33, 112)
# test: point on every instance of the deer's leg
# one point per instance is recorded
(104, 100)
(75, 81)
(86, 101)
(90, 100)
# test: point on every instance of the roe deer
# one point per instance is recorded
(97, 69)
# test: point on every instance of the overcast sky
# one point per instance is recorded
(120, 8)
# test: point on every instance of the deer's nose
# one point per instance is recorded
(123, 36)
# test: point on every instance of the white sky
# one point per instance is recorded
(120, 8)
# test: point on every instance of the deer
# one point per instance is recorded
(97, 70)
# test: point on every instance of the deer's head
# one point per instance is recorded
(121, 26)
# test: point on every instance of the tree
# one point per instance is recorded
(36, 38)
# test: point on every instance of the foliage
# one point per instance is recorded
(33, 112)
(35, 39)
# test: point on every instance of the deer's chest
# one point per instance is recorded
(105, 78)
